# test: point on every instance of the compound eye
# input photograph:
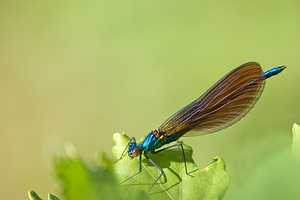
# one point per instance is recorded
(135, 152)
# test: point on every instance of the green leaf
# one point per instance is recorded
(209, 183)
(52, 197)
(33, 195)
(296, 142)
(81, 182)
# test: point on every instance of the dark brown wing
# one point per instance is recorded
(226, 102)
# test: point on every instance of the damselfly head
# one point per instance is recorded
(133, 150)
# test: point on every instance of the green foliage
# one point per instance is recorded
(209, 183)
(33, 196)
(276, 178)
(296, 142)
(80, 182)
(52, 197)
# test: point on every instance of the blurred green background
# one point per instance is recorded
(79, 71)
